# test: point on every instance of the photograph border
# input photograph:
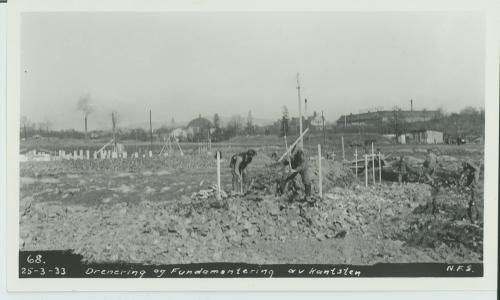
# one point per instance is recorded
(488, 282)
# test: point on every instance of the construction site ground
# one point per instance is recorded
(165, 210)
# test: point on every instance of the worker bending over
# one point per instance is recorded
(299, 166)
(238, 165)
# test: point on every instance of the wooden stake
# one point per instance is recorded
(373, 164)
(379, 169)
(320, 174)
(366, 170)
(218, 175)
(343, 151)
(356, 160)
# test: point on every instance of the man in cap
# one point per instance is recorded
(238, 165)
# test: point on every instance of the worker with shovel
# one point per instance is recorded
(298, 166)
(238, 165)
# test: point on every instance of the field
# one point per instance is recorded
(164, 210)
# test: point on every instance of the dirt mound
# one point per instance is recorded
(335, 174)
(203, 228)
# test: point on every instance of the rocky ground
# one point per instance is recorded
(162, 216)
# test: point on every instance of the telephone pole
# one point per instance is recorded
(150, 131)
(300, 113)
(324, 134)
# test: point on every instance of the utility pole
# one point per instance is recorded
(396, 122)
(324, 134)
(300, 113)
(25, 132)
(113, 120)
(151, 131)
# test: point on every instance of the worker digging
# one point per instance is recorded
(238, 164)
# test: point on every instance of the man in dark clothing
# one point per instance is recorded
(470, 180)
(430, 165)
(429, 170)
(238, 165)
(299, 166)
(402, 169)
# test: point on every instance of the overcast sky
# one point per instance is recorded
(182, 64)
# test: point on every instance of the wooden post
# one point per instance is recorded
(292, 145)
(94, 155)
(300, 114)
(320, 174)
(87, 154)
(151, 132)
(286, 147)
(379, 168)
(218, 175)
(356, 160)
(366, 170)
(81, 154)
(75, 154)
(373, 164)
(324, 134)
(343, 151)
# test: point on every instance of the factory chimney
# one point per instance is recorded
(411, 105)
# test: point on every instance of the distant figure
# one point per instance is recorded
(430, 165)
(238, 165)
(470, 179)
(298, 162)
(402, 169)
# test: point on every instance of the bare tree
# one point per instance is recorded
(115, 118)
(25, 122)
(86, 108)
(46, 126)
(250, 125)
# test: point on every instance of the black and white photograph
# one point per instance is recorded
(263, 144)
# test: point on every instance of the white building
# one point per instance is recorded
(423, 137)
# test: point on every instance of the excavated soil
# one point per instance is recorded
(167, 214)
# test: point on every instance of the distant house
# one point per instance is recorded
(179, 134)
(315, 121)
(199, 129)
(424, 136)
